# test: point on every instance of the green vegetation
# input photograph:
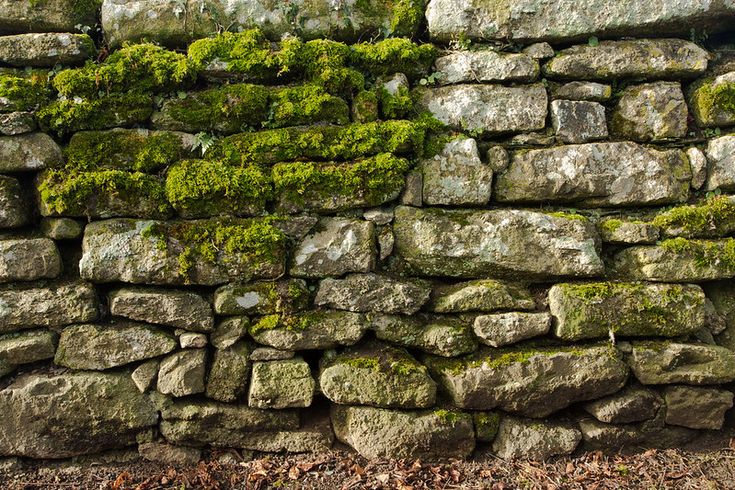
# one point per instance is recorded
(392, 56)
(706, 253)
(396, 106)
(407, 16)
(710, 218)
(365, 106)
(291, 323)
(23, 92)
(306, 104)
(709, 101)
(450, 417)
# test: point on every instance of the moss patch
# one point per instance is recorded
(706, 253)
(23, 92)
(306, 104)
(711, 218)
(396, 55)
(714, 102)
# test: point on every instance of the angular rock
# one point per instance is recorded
(632, 404)
(414, 187)
(168, 454)
(427, 434)
(656, 363)
(622, 231)
(310, 330)
(484, 295)
(485, 65)
(721, 164)
(578, 121)
(270, 354)
(6, 368)
(15, 123)
(20, 16)
(376, 375)
(100, 346)
(508, 328)
(697, 408)
(191, 340)
(373, 293)
(27, 347)
(539, 51)
(61, 228)
(647, 59)
(599, 435)
(180, 309)
(229, 331)
(440, 335)
(313, 437)
(457, 176)
(28, 153)
(261, 298)
(281, 384)
(335, 246)
(711, 101)
(528, 439)
(533, 382)
(183, 373)
(229, 373)
(487, 108)
(596, 174)
(589, 91)
(144, 376)
(46, 50)
(698, 162)
(436, 242)
(651, 112)
(14, 210)
(593, 310)
(29, 259)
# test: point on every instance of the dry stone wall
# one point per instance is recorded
(415, 229)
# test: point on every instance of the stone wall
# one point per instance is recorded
(413, 229)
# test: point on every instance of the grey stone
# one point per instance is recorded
(386, 242)
(379, 216)
(530, 381)
(6, 368)
(426, 434)
(310, 330)
(697, 408)
(578, 121)
(313, 437)
(229, 331)
(498, 158)
(457, 176)
(270, 354)
(440, 335)
(485, 65)
(487, 108)
(508, 328)
(229, 373)
(144, 376)
(104, 346)
(335, 247)
(20, 16)
(715, 322)
(15, 123)
(180, 309)
(589, 91)
(46, 50)
(528, 439)
(61, 228)
(183, 373)
(698, 163)
(27, 347)
(412, 191)
(485, 295)
(632, 404)
(596, 174)
(539, 51)
(599, 435)
(192, 340)
(29, 259)
(651, 112)
(625, 231)
(470, 244)
(709, 108)
(281, 384)
(373, 293)
(28, 153)
(14, 210)
(721, 163)
(74, 413)
(669, 362)
(168, 454)
(261, 298)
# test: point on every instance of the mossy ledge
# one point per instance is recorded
(713, 217)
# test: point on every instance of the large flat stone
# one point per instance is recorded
(46, 50)
(442, 335)
(28, 153)
(651, 112)
(183, 373)
(29, 259)
(528, 439)
(697, 408)
(180, 309)
(373, 293)
(457, 176)
(19, 16)
(669, 362)
(281, 384)
(483, 295)
(485, 65)
(261, 298)
(27, 347)
(321, 329)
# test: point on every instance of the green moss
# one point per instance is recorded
(486, 425)
(291, 323)
(610, 226)
(393, 361)
(597, 291)
(325, 62)
(710, 218)
(407, 16)
(306, 104)
(710, 102)
(365, 106)
(396, 106)
(396, 55)
(706, 253)
(23, 92)
(269, 322)
(569, 216)
(450, 417)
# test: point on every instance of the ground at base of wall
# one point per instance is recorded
(707, 464)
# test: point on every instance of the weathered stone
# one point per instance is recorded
(180, 309)
(46, 50)
(192, 340)
(228, 376)
(28, 153)
(20, 16)
(631, 232)
(647, 59)
(698, 163)
(99, 346)
(486, 65)
(412, 191)
(15, 123)
(386, 242)
(592, 310)
(440, 335)
(281, 384)
(457, 176)
(270, 354)
(722, 295)
(539, 51)
(334, 247)
(668, 362)
(127, 250)
(310, 330)
(711, 101)
(483, 295)
(229, 331)
(589, 91)
(379, 216)
(497, 158)
(715, 322)
(721, 164)
(508, 328)
(651, 112)
(697, 408)
(144, 376)
(261, 298)
(595, 174)
(427, 434)
(373, 293)
(437, 242)
(46, 304)
(183, 373)
(27, 347)
(61, 228)
(632, 404)
(168, 454)
(14, 210)
(313, 437)
(533, 382)
(29, 259)
(578, 121)
(6, 368)
(487, 108)
(59, 416)
(529, 439)
(599, 435)
(376, 375)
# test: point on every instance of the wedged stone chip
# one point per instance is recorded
(14, 210)
(335, 246)
(593, 310)
(485, 65)
(497, 158)
(709, 98)
(261, 298)
(631, 232)
(378, 433)
(310, 330)
(386, 242)
(651, 112)
(377, 375)
(656, 363)
(529, 439)
(180, 309)
(15, 123)
(50, 304)
(632, 404)
(697, 408)
(60, 416)
(508, 328)
(596, 174)
(539, 51)
(412, 191)
(61, 228)
(29, 259)
(229, 331)
(721, 164)
(589, 91)
(373, 293)
(599, 435)
(483, 295)
(487, 108)
(313, 437)
(698, 162)
(27, 347)
(127, 250)
(647, 59)
(6, 368)
(270, 354)
(457, 176)
(478, 244)
(191, 340)
(578, 121)
(531, 381)
(440, 335)
(46, 50)
(183, 373)
(281, 384)
(28, 153)
(722, 295)
(168, 454)
(144, 376)
(229, 373)
(104, 346)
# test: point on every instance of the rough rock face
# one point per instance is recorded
(508, 328)
(615, 230)
(47, 49)
(13, 207)
(578, 121)
(27, 347)
(440, 335)
(373, 293)
(484, 295)
(314, 437)
(281, 384)
(697, 408)
(59, 416)
(29, 259)
(15, 123)
(20, 16)
(651, 112)
(28, 152)
(632, 404)
(708, 108)
(312, 330)
(589, 91)
(180, 309)
(596, 174)
(669, 362)
(457, 176)
(436, 242)
(485, 65)
(524, 438)
(261, 298)
(721, 164)
(598, 435)
(229, 373)
(382, 433)
(183, 373)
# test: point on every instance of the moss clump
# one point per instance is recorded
(23, 92)
(291, 323)
(569, 216)
(450, 417)
(396, 55)
(486, 425)
(365, 106)
(610, 226)
(407, 16)
(306, 104)
(269, 322)
(396, 106)
(706, 253)
(712, 102)
(711, 218)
